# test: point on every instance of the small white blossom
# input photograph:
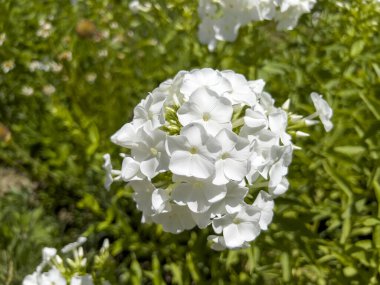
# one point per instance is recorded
(193, 152)
(45, 29)
(135, 6)
(81, 280)
(239, 227)
(48, 89)
(74, 245)
(8, 65)
(3, 37)
(208, 109)
(91, 77)
(27, 91)
(323, 109)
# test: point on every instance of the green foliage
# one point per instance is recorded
(24, 230)
(326, 228)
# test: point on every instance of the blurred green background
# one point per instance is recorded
(70, 75)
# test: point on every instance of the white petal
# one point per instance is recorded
(126, 136)
(248, 230)
(280, 188)
(220, 178)
(130, 169)
(175, 221)
(276, 174)
(201, 167)
(198, 203)
(160, 200)
(232, 236)
(82, 280)
(182, 194)
(235, 170)
(202, 220)
(214, 193)
(195, 134)
(175, 143)
(180, 163)
(218, 242)
(149, 167)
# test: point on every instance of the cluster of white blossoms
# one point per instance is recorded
(221, 19)
(69, 271)
(210, 148)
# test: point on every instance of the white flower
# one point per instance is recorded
(290, 11)
(143, 191)
(198, 195)
(82, 280)
(126, 136)
(323, 109)
(241, 92)
(232, 202)
(278, 122)
(31, 279)
(232, 161)
(239, 227)
(130, 170)
(148, 111)
(208, 109)
(48, 253)
(205, 77)
(265, 203)
(282, 157)
(27, 91)
(175, 221)
(53, 276)
(193, 152)
(221, 20)
(74, 245)
(107, 166)
(91, 77)
(8, 65)
(280, 188)
(48, 89)
(36, 65)
(161, 201)
(135, 6)
(206, 33)
(150, 151)
(45, 30)
(227, 27)
(256, 119)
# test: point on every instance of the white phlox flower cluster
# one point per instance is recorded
(221, 19)
(209, 148)
(58, 274)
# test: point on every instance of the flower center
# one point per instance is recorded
(153, 151)
(237, 221)
(225, 155)
(206, 117)
(193, 150)
(198, 184)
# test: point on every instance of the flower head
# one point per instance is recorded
(196, 145)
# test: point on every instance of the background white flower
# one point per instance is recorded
(324, 111)
(221, 20)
